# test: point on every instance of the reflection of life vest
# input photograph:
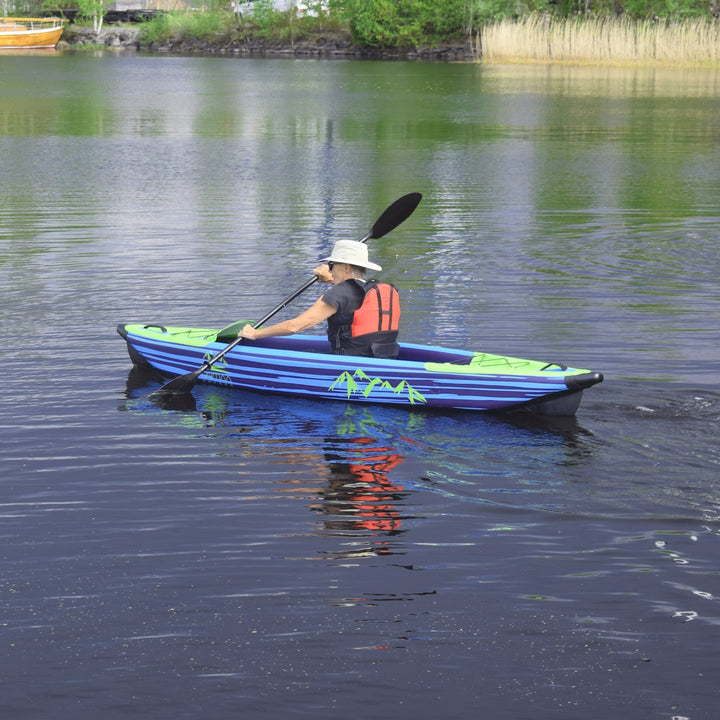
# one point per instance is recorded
(375, 324)
(375, 495)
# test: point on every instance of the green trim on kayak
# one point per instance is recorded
(489, 364)
(478, 363)
(194, 337)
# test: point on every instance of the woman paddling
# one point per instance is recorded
(363, 315)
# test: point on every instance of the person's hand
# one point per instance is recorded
(323, 274)
(248, 332)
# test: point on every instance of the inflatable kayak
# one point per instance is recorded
(422, 376)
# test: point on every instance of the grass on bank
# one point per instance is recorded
(202, 25)
(605, 41)
(277, 27)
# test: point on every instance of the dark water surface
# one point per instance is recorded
(264, 557)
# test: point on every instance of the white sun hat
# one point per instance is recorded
(351, 252)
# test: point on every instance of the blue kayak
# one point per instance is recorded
(422, 376)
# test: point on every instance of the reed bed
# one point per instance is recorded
(611, 41)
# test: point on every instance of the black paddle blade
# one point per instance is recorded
(181, 385)
(397, 213)
(178, 403)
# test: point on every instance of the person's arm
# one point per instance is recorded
(315, 314)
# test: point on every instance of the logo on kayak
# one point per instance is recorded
(218, 371)
(366, 385)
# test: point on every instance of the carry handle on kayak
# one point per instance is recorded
(393, 216)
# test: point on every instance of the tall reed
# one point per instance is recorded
(609, 41)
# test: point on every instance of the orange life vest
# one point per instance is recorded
(380, 311)
(373, 328)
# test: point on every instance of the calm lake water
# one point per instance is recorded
(261, 557)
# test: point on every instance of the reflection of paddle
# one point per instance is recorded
(395, 214)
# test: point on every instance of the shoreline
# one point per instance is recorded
(326, 47)
(338, 45)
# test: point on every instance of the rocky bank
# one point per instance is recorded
(128, 38)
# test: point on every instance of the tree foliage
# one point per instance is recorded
(93, 11)
(387, 23)
(398, 23)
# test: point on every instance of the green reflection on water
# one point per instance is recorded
(580, 201)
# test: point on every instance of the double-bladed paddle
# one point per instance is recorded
(395, 214)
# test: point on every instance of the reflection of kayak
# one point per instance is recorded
(421, 376)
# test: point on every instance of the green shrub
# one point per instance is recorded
(180, 25)
(158, 29)
(402, 23)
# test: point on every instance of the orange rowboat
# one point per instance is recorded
(29, 33)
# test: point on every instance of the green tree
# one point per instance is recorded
(378, 23)
(94, 10)
(88, 10)
(401, 23)
(21, 8)
(485, 11)
(672, 9)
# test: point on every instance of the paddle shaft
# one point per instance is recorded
(395, 214)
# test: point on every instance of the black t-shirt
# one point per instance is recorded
(346, 297)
